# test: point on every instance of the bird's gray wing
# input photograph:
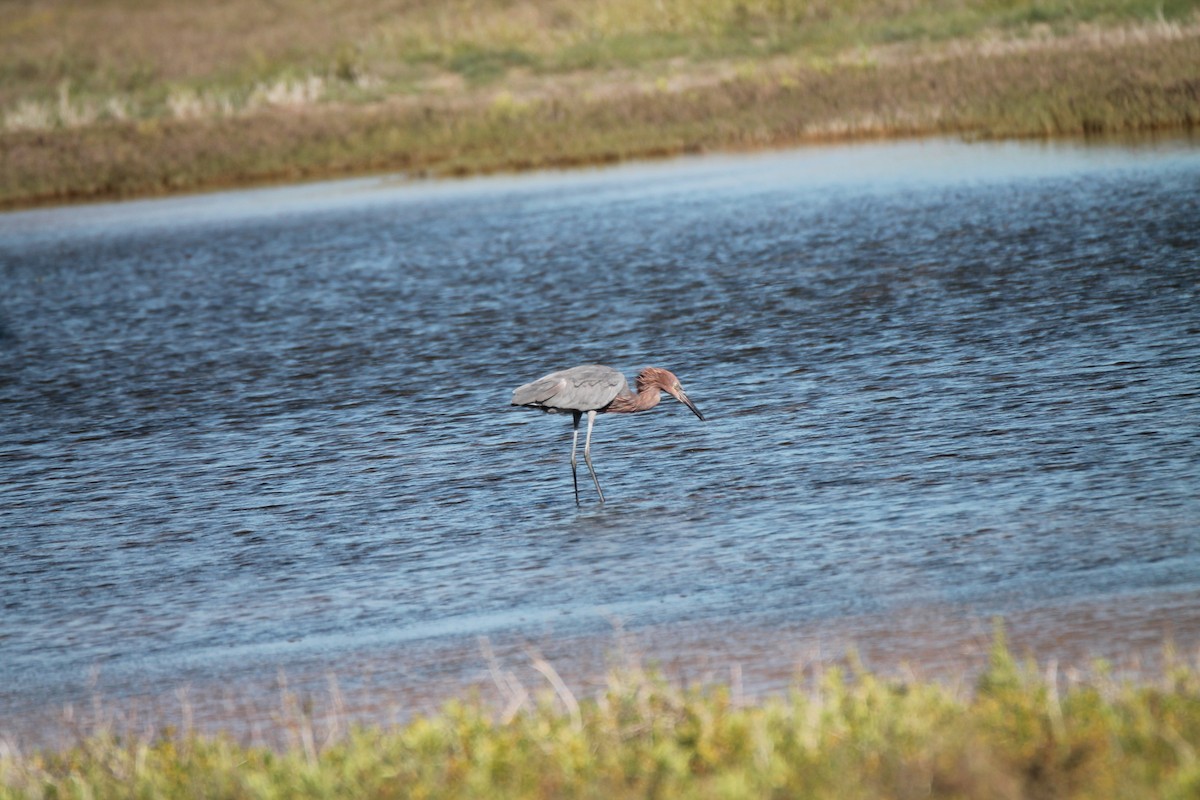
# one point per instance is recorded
(587, 388)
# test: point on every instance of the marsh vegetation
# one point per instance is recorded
(1022, 730)
(117, 97)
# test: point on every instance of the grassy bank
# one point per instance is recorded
(1021, 732)
(128, 97)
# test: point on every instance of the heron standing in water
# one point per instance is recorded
(595, 389)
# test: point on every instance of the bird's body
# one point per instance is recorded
(596, 389)
(591, 387)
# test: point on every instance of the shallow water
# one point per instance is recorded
(272, 427)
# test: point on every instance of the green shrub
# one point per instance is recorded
(1021, 733)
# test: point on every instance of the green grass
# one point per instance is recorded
(125, 46)
(133, 53)
(1020, 733)
(126, 97)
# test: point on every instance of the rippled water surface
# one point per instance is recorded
(273, 426)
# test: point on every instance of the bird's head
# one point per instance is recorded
(656, 377)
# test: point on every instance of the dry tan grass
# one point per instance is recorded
(117, 97)
(1023, 731)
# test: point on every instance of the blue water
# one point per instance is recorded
(272, 426)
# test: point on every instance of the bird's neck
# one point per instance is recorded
(646, 399)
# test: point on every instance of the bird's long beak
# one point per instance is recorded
(683, 398)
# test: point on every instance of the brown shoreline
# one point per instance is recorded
(1060, 88)
(1134, 634)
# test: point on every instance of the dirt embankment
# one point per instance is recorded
(1090, 81)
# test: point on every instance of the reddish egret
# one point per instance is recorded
(595, 389)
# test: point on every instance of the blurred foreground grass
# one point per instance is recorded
(1020, 733)
(123, 97)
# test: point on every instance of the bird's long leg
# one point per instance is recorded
(575, 441)
(587, 456)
